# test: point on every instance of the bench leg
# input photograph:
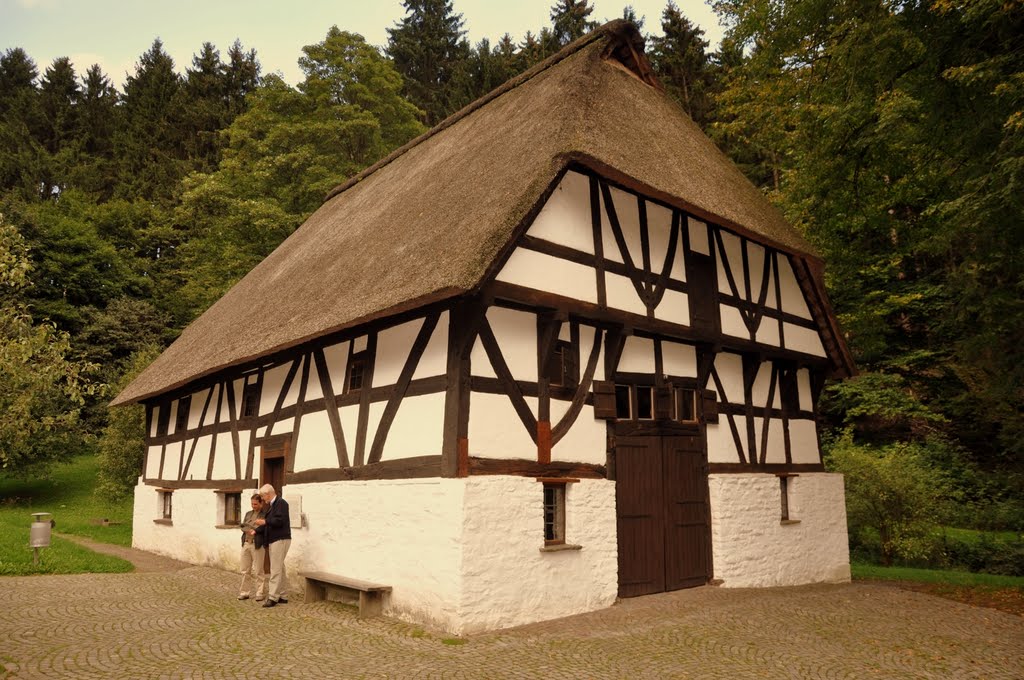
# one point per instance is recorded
(315, 592)
(370, 605)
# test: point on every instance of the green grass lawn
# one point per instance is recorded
(66, 493)
(957, 578)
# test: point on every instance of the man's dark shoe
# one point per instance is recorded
(269, 603)
(283, 600)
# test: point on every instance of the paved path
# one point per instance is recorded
(186, 623)
(143, 560)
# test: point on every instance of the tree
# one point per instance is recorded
(427, 48)
(20, 155)
(98, 118)
(41, 388)
(682, 64)
(60, 131)
(570, 20)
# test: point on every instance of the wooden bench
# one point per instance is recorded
(323, 586)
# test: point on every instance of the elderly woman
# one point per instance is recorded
(252, 552)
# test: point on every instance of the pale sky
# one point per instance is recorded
(114, 33)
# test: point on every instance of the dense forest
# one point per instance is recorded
(890, 132)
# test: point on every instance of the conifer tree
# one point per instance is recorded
(59, 132)
(682, 64)
(98, 119)
(570, 20)
(20, 154)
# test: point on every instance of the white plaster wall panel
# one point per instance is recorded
(261, 431)
(435, 357)
(628, 212)
(172, 422)
(587, 334)
(292, 397)
(755, 263)
(376, 410)
(313, 389)
(803, 440)
(224, 458)
(768, 332)
(349, 416)
(405, 533)
(762, 385)
(336, 357)
(315, 446)
(552, 274)
(732, 322)
(587, 439)
(193, 537)
(153, 462)
(200, 458)
(730, 373)
(609, 246)
(393, 346)
(360, 343)
(173, 454)
(674, 308)
(155, 418)
(283, 426)
(776, 449)
(733, 253)
(495, 430)
(565, 217)
(679, 359)
(417, 428)
(803, 384)
(516, 334)
(273, 379)
(637, 355)
(507, 580)
(238, 385)
(699, 242)
(620, 294)
(721, 446)
(659, 231)
(752, 548)
(803, 340)
(196, 417)
(771, 300)
(793, 300)
(479, 362)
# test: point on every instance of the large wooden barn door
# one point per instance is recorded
(664, 531)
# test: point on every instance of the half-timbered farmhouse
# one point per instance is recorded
(555, 351)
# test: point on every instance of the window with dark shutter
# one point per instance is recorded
(356, 372)
(251, 400)
(181, 419)
(562, 368)
(604, 399)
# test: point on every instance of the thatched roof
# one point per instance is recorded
(428, 221)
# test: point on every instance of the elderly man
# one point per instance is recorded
(277, 537)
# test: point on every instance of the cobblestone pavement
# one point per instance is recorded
(187, 624)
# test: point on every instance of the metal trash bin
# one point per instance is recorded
(40, 534)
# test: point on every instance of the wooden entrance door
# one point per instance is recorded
(664, 528)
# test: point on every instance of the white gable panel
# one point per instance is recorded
(609, 246)
(238, 385)
(349, 416)
(195, 413)
(674, 308)
(552, 274)
(224, 458)
(803, 339)
(768, 332)
(296, 386)
(628, 213)
(313, 389)
(732, 322)
(793, 300)
(679, 359)
(495, 430)
(479, 362)
(565, 217)
(721, 445)
(336, 357)
(756, 256)
(435, 357)
(283, 426)
(771, 301)
(315, 446)
(637, 355)
(272, 382)
(172, 460)
(417, 428)
(200, 458)
(587, 439)
(762, 385)
(376, 410)
(393, 347)
(516, 333)
(733, 253)
(730, 372)
(621, 294)
(803, 383)
(776, 439)
(153, 462)
(360, 343)
(803, 438)
(699, 242)
(659, 231)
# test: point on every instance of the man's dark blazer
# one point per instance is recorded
(278, 526)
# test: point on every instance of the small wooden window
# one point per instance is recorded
(181, 419)
(163, 420)
(563, 367)
(233, 508)
(554, 513)
(623, 402)
(784, 489)
(356, 372)
(789, 392)
(686, 405)
(165, 505)
(644, 402)
(251, 400)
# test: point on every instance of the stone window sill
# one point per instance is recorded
(236, 527)
(561, 547)
(789, 521)
(165, 522)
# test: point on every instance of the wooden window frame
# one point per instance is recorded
(165, 509)
(554, 512)
(163, 420)
(184, 409)
(251, 394)
(563, 367)
(677, 401)
(360, 360)
(784, 493)
(224, 507)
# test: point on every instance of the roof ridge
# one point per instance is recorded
(618, 29)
